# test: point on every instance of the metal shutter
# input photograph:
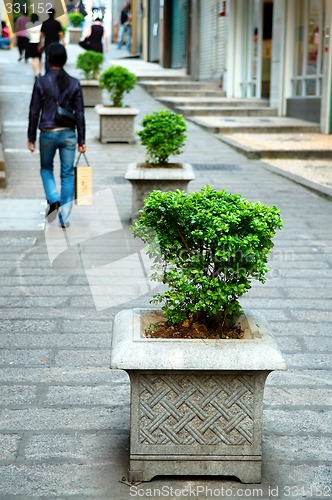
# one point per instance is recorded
(212, 40)
(179, 33)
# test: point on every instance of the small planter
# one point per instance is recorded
(92, 93)
(196, 405)
(75, 35)
(116, 124)
(145, 179)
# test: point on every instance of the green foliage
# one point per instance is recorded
(206, 246)
(76, 19)
(118, 81)
(89, 63)
(163, 134)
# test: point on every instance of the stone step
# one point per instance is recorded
(184, 93)
(207, 102)
(165, 78)
(280, 146)
(225, 111)
(253, 124)
(180, 85)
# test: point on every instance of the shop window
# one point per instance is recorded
(308, 48)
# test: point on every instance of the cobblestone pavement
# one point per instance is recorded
(64, 415)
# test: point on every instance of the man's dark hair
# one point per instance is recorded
(57, 56)
(51, 13)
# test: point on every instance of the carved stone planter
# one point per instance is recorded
(116, 124)
(75, 35)
(146, 179)
(92, 93)
(196, 405)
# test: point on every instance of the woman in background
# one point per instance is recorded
(95, 36)
(4, 38)
(33, 52)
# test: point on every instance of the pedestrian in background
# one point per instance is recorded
(51, 32)
(21, 34)
(5, 37)
(57, 84)
(125, 26)
(70, 7)
(33, 52)
(80, 7)
(95, 37)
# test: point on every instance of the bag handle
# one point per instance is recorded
(78, 159)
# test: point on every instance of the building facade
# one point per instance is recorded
(274, 49)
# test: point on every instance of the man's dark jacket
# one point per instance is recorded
(43, 105)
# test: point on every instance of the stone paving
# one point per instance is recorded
(64, 415)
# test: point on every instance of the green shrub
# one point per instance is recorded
(163, 135)
(89, 62)
(76, 19)
(206, 246)
(118, 81)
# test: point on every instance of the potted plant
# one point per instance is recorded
(117, 122)
(90, 62)
(163, 134)
(76, 20)
(198, 366)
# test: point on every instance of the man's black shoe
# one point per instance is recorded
(52, 211)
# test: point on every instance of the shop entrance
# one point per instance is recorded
(257, 48)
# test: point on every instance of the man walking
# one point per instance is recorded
(125, 26)
(22, 34)
(51, 32)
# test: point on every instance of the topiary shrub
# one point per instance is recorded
(163, 135)
(89, 63)
(207, 247)
(118, 81)
(76, 19)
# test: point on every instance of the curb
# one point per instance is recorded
(312, 186)
(266, 154)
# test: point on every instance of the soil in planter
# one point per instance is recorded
(166, 165)
(194, 330)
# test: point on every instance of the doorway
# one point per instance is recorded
(257, 48)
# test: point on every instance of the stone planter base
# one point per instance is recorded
(116, 124)
(146, 179)
(196, 423)
(75, 35)
(196, 405)
(92, 93)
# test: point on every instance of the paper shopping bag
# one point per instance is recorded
(83, 182)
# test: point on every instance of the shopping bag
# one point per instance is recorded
(83, 182)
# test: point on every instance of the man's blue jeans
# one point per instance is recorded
(124, 29)
(49, 142)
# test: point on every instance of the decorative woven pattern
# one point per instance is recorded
(196, 409)
(91, 95)
(142, 188)
(117, 128)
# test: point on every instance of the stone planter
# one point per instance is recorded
(145, 179)
(116, 124)
(92, 93)
(196, 405)
(75, 35)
